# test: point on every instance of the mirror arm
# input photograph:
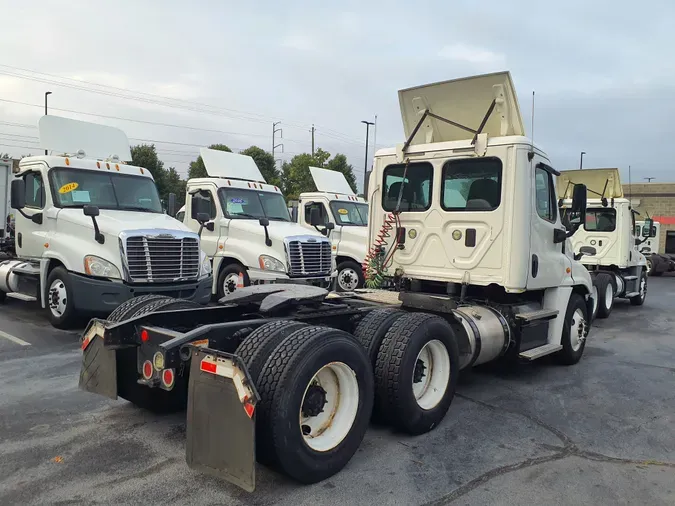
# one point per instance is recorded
(268, 241)
(97, 233)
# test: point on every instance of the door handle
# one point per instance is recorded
(535, 266)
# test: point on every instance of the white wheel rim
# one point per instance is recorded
(335, 385)
(643, 288)
(348, 279)
(230, 283)
(58, 298)
(431, 374)
(577, 330)
(649, 266)
(595, 299)
(609, 296)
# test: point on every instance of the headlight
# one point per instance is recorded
(206, 266)
(269, 263)
(96, 266)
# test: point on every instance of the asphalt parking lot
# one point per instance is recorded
(600, 432)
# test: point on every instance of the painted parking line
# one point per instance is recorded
(14, 339)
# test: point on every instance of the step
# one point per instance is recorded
(541, 351)
(22, 296)
(537, 316)
(28, 270)
(629, 278)
(631, 295)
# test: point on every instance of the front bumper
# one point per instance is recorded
(258, 276)
(103, 296)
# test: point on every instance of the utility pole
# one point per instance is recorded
(581, 161)
(365, 165)
(47, 93)
(313, 130)
(281, 135)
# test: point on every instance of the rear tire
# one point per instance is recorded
(129, 307)
(606, 294)
(373, 327)
(349, 276)
(297, 400)
(638, 300)
(575, 331)
(417, 346)
(257, 347)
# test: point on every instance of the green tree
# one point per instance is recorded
(197, 168)
(265, 162)
(174, 184)
(339, 163)
(145, 155)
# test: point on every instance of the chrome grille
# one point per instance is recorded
(155, 258)
(310, 257)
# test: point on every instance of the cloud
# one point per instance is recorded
(299, 41)
(471, 54)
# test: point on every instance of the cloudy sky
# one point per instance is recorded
(196, 73)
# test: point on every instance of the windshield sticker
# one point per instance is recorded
(343, 211)
(238, 201)
(81, 197)
(68, 187)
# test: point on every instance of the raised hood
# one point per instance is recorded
(464, 101)
(600, 182)
(230, 165)
(330, 181)
(113, 222)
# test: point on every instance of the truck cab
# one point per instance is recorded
(336, 202)
(89, 228)
(466, 210)
(611, 250)
(247, 231)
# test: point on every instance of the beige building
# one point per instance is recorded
(657, 200)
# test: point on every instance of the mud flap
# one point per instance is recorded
(99, 365)
(221, 417)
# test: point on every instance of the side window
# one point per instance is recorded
(35, 195)
(414, 191)
(545, 195)
(322, 212)
(206, 195)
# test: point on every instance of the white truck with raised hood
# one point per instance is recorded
(289, 375)
(650, 247)
(89, 229)
(335, 202)
(246, 229)
(611, 250)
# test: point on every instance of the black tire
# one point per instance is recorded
(125, 310)
(373, 327)
(3, 296)
(397, 363)
(259, 345)
(638, 300)
(605, 306)
(156, 400)
(568, 355)
(226, 271)
(344, 273)
(68, 317)
(596, 302)
(283, 382)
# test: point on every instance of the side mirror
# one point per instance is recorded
(650, 224)
(18, 194)
(315, 217)
(199, 205)
(265, 222)
(330, 225)
(91, 211)
(202, 218)
(579, 198)
(171, 208)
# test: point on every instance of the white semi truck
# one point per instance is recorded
(89, 229)
(483, 268)
(335, 202)
(612, 250)
(650, 247)
(246, 229)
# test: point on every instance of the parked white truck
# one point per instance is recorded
(612, 251)
(335, 202)
(246, 229)
(90, 232)
(650, 247)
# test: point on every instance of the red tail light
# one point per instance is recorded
(147, 369)
(168, 378)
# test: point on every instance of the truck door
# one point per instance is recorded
(547, 263)
(30, 236)
(209, 239)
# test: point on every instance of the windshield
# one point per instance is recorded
(349, 213)
(106, 190)
(251, 204)
(600, 220)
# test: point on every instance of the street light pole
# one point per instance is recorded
(47, 93)
(365, 165)
(581, 161)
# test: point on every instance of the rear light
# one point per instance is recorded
(145, 336)
(168, 378)
(158, 361)
(147, 369)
